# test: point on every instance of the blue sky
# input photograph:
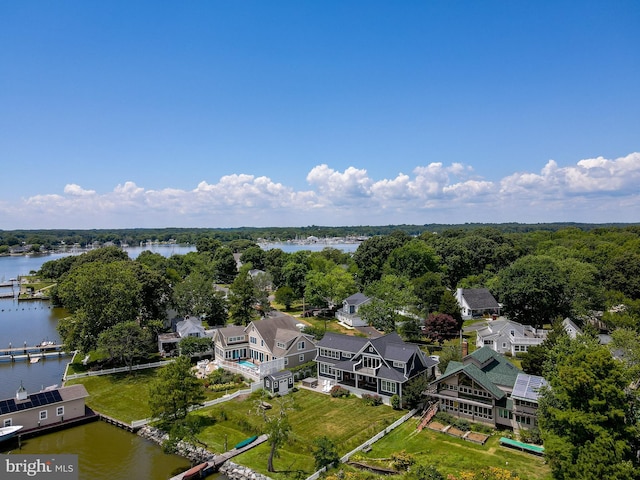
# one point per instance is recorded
(287, 113)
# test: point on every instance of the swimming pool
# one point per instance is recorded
(247, 363)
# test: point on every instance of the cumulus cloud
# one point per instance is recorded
(591, 190)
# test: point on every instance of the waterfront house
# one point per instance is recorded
(45, 408)
(349, 313)
(187, 327)
(487, 388)
(476, 302)
(380, 365)
(271, 344)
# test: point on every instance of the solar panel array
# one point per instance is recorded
(34, 400)
(528, 386)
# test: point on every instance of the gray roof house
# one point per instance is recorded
(187, 327)
(508, 336)
(348, 314)
(475, 302)
(487, 388)
(382, 365)
(271, 344)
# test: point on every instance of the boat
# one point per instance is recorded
(8, 432)
(195, 472)
(246, 442)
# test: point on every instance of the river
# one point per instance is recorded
(105, 452)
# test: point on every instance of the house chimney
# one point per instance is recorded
(465, 348)
(21, 394)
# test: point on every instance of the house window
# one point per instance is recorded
(286, 361)
(325, 352)
(7, 422)
(504, 344)
(253, 340)
(301, 357)
(262, 343)
(387, 386)
(236, 339)
(488, 342)
(347, 354)
(43, 415)
(398, 364)
(267, 383)
(370, 362)
(60, 411)
(281, 345)
(327, 369)
(301, 345)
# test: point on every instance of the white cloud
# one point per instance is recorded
(591, 190)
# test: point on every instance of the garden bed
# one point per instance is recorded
(437, 426)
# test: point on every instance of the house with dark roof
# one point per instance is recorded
(182, 328)
(270, 344)
(380, 365)
(46, 408)
(278, 383)
(476, 302)
(348, 314)
(487, 388)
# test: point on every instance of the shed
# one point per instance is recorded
(278, 383)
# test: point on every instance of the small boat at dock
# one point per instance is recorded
(9, 432)
(246, 442)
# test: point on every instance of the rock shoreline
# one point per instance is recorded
(198, 455)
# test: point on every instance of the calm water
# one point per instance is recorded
(106, 452)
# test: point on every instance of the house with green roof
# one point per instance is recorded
(487, 388)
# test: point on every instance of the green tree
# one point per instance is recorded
(587, 420)
(125, 342)
(225, 265)
(389, 296)
(255, 256)
(98, 295)
(174, 391)
(285, 296)
(534, 290)
(412, 260)
(242, 299)
(424, 472)
(325, 452)
(372, 254)
(276, 425)
(191, 346)
(196, 295)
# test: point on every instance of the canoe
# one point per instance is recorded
(194, 472)
(246, 442)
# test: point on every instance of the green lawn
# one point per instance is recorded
(453, 455)
(348, 422)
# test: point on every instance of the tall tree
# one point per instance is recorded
(197, 296)
(175, 390)
(587, 414)
(534, 290)
(276, 425)
(125, 341)
(325, 452)
(242, 299)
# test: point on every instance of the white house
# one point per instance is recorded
(476, 302)
(348, 314)
(506, 336)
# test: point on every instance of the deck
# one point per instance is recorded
(217, 460)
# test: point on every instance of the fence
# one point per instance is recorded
(252, 388)
(368, 443)
(116, 370)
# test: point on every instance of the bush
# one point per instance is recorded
(461, 424)
(395, 402)
(339, 392)
(531, 436)
(444, 418)
(371, 400)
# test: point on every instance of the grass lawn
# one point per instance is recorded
(453, 455)
(124, 396)
(348, 422)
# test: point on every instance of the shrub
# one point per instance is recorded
(461, 424)
(444, 417)
(531, 436)
(339, 392)
(371, 400)
(402, 460)
(395, 402)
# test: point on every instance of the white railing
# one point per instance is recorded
(368, 443)
(110, 371)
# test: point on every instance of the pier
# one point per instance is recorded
(214, 464)
(31, 353)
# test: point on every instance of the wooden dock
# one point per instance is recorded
(217, 460)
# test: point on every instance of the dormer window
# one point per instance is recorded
(281, 345)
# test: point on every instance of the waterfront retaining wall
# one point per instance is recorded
(237, 472)
(192, 452)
